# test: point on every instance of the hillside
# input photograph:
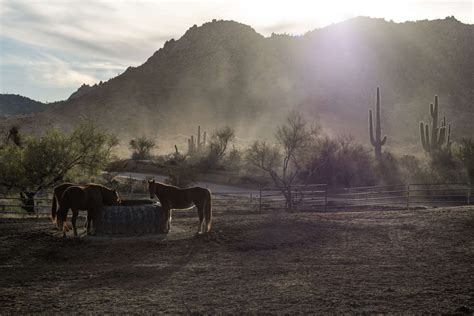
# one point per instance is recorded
(224, 72)
(12, 104)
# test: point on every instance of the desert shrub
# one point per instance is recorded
(179, 171)
(414, 170)
(141, 147)
(465, 153)
(445, 167)
(234, 159)
(388, 170)
(340, 162)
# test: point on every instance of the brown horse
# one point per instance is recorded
(57, 195)
(172, 197)
(90, 197)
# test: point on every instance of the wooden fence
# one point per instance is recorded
(305, 198)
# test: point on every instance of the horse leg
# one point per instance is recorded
(88, 223)
(200, 209)
(75, 213)
(208, 213)
(61, 218)
(167, 218)
(92, 218)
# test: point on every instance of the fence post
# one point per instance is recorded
(295, 198)
(408, 197)
(325, 198)
(250, 201)
(260, 201)
(469, 195)
(345, 198)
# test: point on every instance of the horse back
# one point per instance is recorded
(74, 197)
(59, 190)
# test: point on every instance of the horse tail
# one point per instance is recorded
(208, 210)
(53, 209)
(61, 214)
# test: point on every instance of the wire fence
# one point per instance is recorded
(303, 198)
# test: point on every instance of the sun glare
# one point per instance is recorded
(298, 16)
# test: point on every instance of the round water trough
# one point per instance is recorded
(132, 217)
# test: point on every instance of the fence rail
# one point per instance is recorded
(303, 198)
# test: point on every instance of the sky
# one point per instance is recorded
(49, 48)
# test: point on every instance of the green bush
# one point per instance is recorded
(44, 160)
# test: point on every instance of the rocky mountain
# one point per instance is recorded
(13, 104)
(224, 72)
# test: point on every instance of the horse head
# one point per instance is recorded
(111, 197)
(151, 188)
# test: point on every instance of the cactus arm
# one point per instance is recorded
(427, 135)
(384, 140)
(423, 137)
(442, 136)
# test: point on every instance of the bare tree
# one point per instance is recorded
(285, 160)
(220, 140)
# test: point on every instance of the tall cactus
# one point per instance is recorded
(438, 134)
(375, 139)
(195, 143)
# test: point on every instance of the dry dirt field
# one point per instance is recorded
(376, 261)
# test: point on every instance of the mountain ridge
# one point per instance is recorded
(224, 72)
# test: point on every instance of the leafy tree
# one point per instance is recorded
(142, 147)
(12, 173)
(44, 160)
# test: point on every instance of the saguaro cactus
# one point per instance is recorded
(438, 134)
(375, 139)
(195, 143)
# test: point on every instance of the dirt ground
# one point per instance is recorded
(374, 261)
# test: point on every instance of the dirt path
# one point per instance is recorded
(391, 261)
